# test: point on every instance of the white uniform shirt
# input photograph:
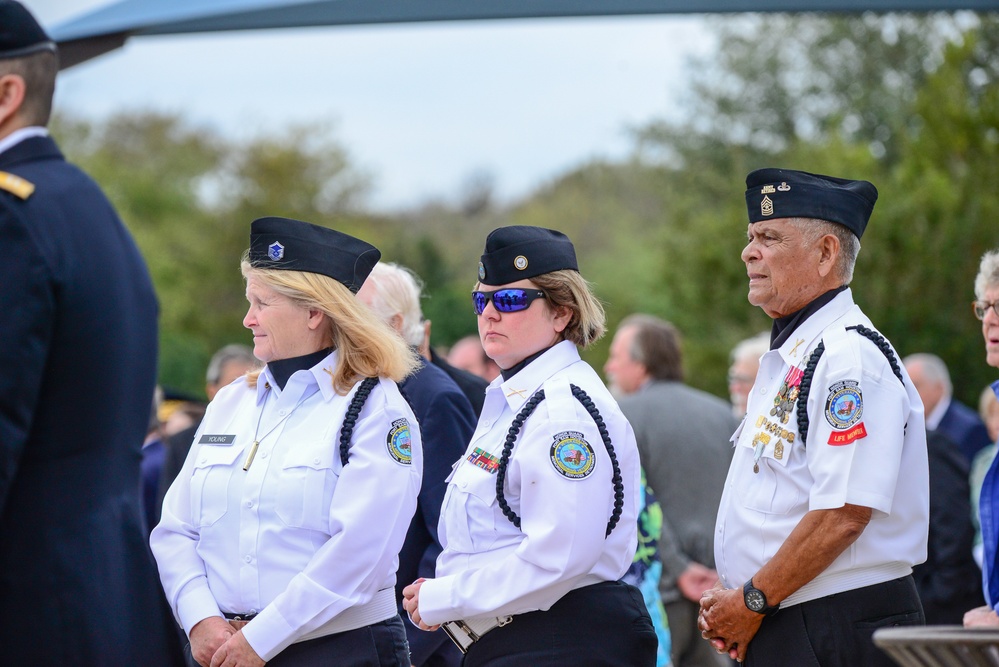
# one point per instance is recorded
(298, 537)
(489, 567)
(866, 446)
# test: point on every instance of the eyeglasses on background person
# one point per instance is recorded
(510, 300)
(981, 308)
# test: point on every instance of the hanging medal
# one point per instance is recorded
(787, 395)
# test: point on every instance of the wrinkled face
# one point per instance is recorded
(624, 373)
(281, 329)
(990, 328)
(509, 338)
(783, 271)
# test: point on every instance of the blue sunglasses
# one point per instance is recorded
(510, 300)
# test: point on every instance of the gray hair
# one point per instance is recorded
(933, 367)
(752, 348)
(227, 354)
(397, 292)
(988, 274)
(813, 229)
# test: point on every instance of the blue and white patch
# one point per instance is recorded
(482, 271)
(844, 405)
(572, 456)
(275, 251)
(400, 442)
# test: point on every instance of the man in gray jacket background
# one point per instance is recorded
(683, 437)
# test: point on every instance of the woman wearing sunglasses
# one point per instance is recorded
(539, 519)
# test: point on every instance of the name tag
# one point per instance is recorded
(207, 439)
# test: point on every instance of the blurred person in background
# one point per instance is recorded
(467, 354)
(683, 436)
(985, 309)
(446, 425)
(742, 371)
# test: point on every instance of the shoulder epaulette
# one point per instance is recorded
(16, 185)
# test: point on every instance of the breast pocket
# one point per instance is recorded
(471, 510)
(770, 490)
(210, 483)
(305, 487)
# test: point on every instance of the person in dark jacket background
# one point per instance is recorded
(78, 325)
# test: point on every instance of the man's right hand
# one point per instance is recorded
(207, 636)
(981, 617)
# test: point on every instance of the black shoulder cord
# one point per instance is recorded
(349, 419)
(514, 431)
(813, 361)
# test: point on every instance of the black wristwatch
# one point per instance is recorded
(756, 600)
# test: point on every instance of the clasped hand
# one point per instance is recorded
(726, 622)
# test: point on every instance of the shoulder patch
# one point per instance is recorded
(844, 404)
(16, 185)
(572, 456)
(400, 443)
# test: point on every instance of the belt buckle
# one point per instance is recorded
(460, 634)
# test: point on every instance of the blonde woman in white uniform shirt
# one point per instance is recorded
(279, 539)
(539, 520)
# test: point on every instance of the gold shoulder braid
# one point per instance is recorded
(16, 185)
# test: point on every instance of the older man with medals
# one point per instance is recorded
(826, 505)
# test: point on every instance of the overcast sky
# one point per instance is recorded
(420, 107)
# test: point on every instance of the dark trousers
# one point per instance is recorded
(377, 645)
(603, 625)
(836, 631)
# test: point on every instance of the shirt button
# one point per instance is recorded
(248, 558)
(486, 424)
(315, 461)
(763, 390)
(263, 455)
(205, 460)
(463, 484)
(282, 412)
(249, 503)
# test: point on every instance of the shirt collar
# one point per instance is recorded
(802, 340)
(17, 136)
(520, 387)
(933, 418)
(321, 374)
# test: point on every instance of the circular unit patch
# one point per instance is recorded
(520, 262)
(400, 443)
(572, 456)
(844, 405)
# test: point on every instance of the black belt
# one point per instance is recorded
(239, 617)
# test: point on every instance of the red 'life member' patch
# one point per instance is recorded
(838, 439)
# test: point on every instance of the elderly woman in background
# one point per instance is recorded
(279, 538)
(539, 519)
(986, 308)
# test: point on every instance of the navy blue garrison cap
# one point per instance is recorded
(293, 245)
(786, 193)
(20, 34)
(518, 252)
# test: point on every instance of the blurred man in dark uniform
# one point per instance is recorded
(446, 425)
(78, 326)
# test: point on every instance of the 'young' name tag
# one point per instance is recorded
(208, 439)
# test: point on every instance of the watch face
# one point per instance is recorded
(755, 600)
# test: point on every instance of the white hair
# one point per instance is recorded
(396, 291)
(988, 274)
(934, 369)
(752, 348)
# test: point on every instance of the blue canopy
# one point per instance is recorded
(107, 28)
